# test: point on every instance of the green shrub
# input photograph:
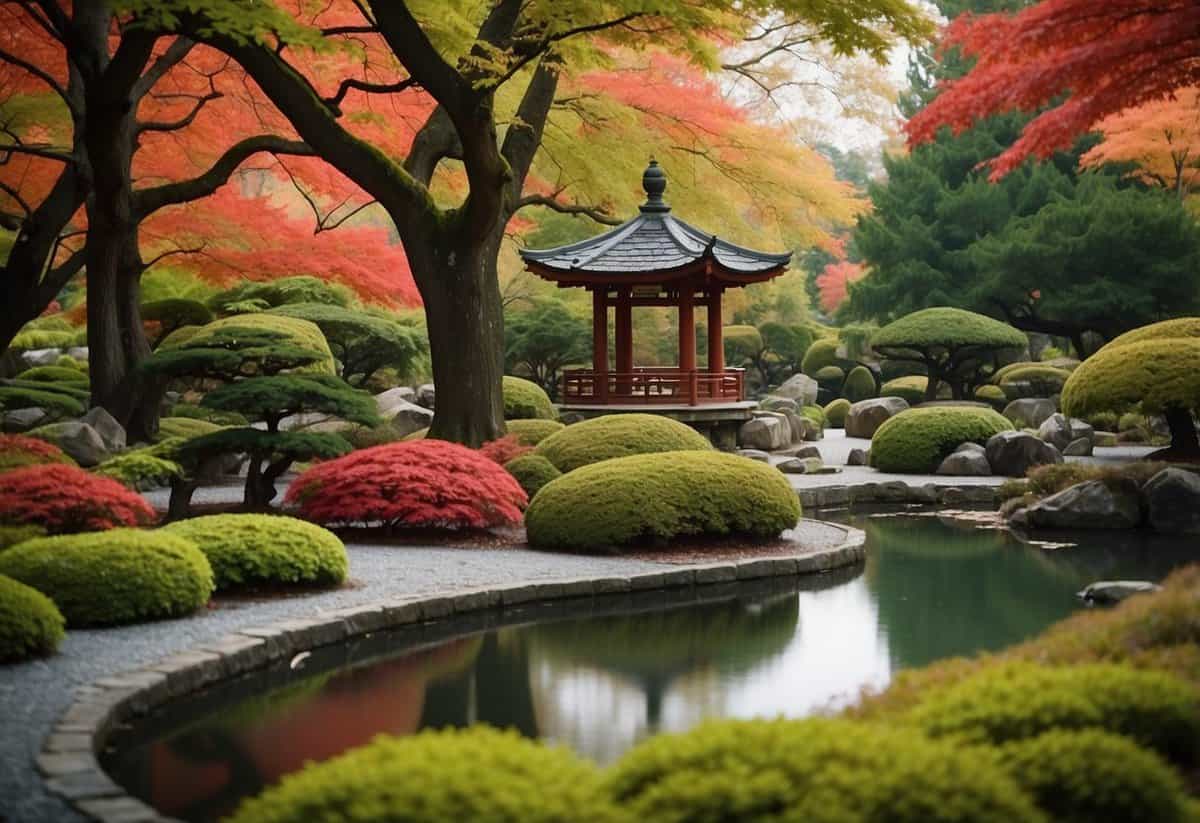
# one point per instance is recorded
(75, 390)
(1021, 700)
(618, 435)
(185, 427)
(475, 774)
(54, 374)
(1053, 478)
(255, 549)
(820, 770)
(742, 343)
(992, 395)
(1132, 421)
(1151, 376)
(1089, 776)
(291, 330)
(859, 385)
(1045, 380)
(1051, 353)
(657, 497)
(12, 535)
(52, 402)
(816, 414)
(526, 400)
(30, 624)
(364, 437)
(917, 440)
(532, 432)
(532, 471)
(1105, 421)
(831, 377)
(220, 418)
(836, 412)
(911, 388)
(1008, 368)
(66, 361)
(282, 291)
(822, 353)
(112, 577)
(140, 469)
(39, 339)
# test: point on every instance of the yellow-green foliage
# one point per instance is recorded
(299, 332)
(993, 395)
(741, 343)
(1002, 372)
(39, 339)
(911, 388)
(55, 374)
(257, 549)
(112, 577)
(532, 471)
(859, 385)
(1151, 373)
(475, 774)
(656, 497)
(830, 377)
(947, 327)
(836, 411)
(917, 440)
(816, 414)
(771, 771)
(140, 469)
(1044, 378)
(820, 354)
(30, 624)
(185, 427)
(532, 432)
(618, 435)
(526, 400)
(1180, 327)
(12, 535)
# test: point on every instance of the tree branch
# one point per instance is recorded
(165, 62)
(597, 214)
(335, 102)
(183, 122)
(44, 76)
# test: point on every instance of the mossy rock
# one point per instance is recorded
(113, 577)
(532, 471)
(859, 385)
(618, 435)
(247, 550)
(532, 432)
(836, 411)
(30, 624)
(526, 400)
(652, 498)
(474, 774)
(911, 389)
(917, 440)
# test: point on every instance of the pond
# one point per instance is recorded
(602, 676)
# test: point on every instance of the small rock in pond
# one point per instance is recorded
(1114, 591)
(755, 454)
(800, 465)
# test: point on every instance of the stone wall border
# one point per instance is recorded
(897, 491)
(68, 760)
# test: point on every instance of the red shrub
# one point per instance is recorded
(410, 483)
(66, 499)
(504, 449)
(18, 451)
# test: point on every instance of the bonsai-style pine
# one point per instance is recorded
(362, 342)
(174, 313)
(957, 347)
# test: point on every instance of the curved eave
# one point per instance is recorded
(706, 268)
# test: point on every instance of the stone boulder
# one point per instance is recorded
(79, 353)
(866, 416)
(22, 420)
(968, 460)
(796, 425)
(388, 402)
(409, 417)
(1012, 454)
(314, 423)
(1173, 501)
(41, 357)
(810, 431)
(765, 433)
(754, 454)
(1029, 412)
(1056, 430)
(1107, 592)
(110, 431)
(802, 451)
(799, 387)
(1091, 505)
(856, 457)
(780, 404)
(78, 440)
(801, 465)
(1081, 447)
(426, 395)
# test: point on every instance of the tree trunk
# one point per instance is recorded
(932, 382)
(1184, 441)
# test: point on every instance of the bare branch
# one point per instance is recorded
(598, 214)
(44, 76)
(165, 62)
(183, 122)
(335, 102)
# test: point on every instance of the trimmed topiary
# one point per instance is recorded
(282, 291)
(859, 385)
(526, 400)
(42, 339)
(219, 418)
(1008, 368)
(814, 413)
(766, 771)
(241, 333)
(821, 354)
(113, 577)
(422, 483)
(628, 501)
(911, 389)
(12, 535)
(185, 428)
(30, 624)
(140, 469)
(475, 774)
(18, 451)
(55, 374)
(364, 343)
(256, 549)
(532, 432)
(66, 499)
(1045, 380)
(618, 435)
(992, 395)
(174, 313)
(532, 471)
(41, 396)
(836, 411)
(917, 440)
(1087, 776)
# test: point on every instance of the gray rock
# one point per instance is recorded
(801, 451)
(314, 423)
(388, 402)
(866, 416)
(766, 433)
(41, 357)
(799, 387)
(1056, 430)
(1080, 447)
(1081, 428)
(1105, 592)
(409, 417)
(801, 465)
(811, 431)
(22, 420)
(1105, 439)
(426, 395)
(965, 464)
(796, 424)
(1012, 454)
(1029, 412)
(571, 418)
(110, 431)
(754, 454)
(80, 441)
(1091, 505)
(1173, 501)
(856, 457)
(774, 403)
(970, 447)
(79, 352)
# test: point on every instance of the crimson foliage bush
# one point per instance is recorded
(18, 451)
(417, 483)
(65, 499)
(504, 449)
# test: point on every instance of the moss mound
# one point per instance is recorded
(911, 388)
(1180, 327)
(1149, 373)
(532, 471)
(12, 535)
(836, 411)
(859, 385)
(656, 497)
(526, 400)
(917, 440)
(140, 469)
(30, 624)
(248, 550)
(618, 435)
(532, 432)
(476, 774)
(113, 577)
(992, 395)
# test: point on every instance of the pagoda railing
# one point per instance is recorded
(653, 386)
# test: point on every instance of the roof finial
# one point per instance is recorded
(654, 181)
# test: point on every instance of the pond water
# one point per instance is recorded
(601, 677)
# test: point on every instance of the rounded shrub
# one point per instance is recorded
(290, 330)
(917, 440)
(113, 577)
(418, 483)
(526, 400)
(453, 774)
(1022, 700)
(65, 499)
(816, 414)
(532, 432)
(55, 374)
(656, 497)
(12, 535)
(255, 549)
(532, 471)
(618, 435)
(821, 354)
(185, 428)
(859, 385)
(1087, 776)
(1043, 379)
(140, 469)
(1151, 375)
(820, 770)
(945, 327)
(836, 411)
(1009, 368)
(30, 624)
(18, 451)
(831, 377)
(910, 388)
(992, 395)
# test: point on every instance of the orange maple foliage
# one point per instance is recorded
(834, 283)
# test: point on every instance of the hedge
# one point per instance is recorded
(113, 577)
(859, 385)
(836, 411)
(629, 501)
(12, 535)
(18, 451)
(65, 499)
(911, 388)
(532, 471)
(247, 550)
(917, 440)
(30, 624)
(532, 432)
(526, 400)
(993, 395)
(42, 339)
(55, 404)
(474, 774)
(618, 435)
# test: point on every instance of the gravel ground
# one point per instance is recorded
(33, 695)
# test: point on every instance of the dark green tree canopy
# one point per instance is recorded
(362, 342)
(270, 399)
(281, 292)
(541, 341)
(175, 313)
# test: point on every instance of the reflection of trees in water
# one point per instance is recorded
(495, 691)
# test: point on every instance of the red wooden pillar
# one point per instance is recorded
(600, 343)
(687, 340)
(716, 342)
(624, 329)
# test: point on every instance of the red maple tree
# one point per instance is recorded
(834, 283)
(65, 499)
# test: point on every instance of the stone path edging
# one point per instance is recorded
(896, 491)
(68, 760)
